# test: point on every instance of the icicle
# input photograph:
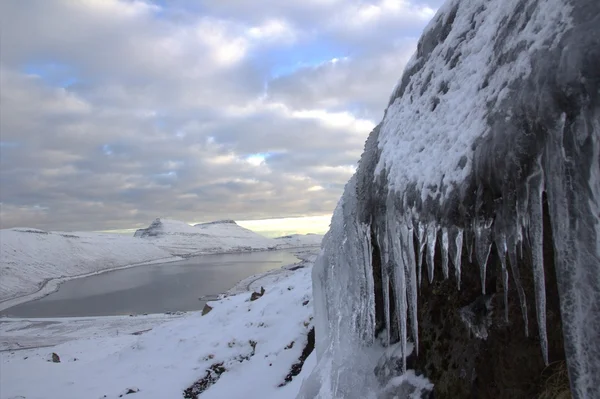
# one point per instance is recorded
(410, 264)
(445, 252)
(400, 286)
(468, 238)
(514, 267)
(431, 240)
(536, 238)
(501, 248)
(483, 244)
(385, 280)
(369, 310)
(422, 238)
(458, 241)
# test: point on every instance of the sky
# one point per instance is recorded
(113, 113)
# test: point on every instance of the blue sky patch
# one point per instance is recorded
(53, 73)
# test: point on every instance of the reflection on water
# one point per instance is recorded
(157, 288)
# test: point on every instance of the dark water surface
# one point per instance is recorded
(159, 288)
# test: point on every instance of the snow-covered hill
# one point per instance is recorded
(179, 238)
(298, 240)
(29, 257)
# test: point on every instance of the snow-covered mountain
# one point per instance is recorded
(29, 257)
(474, 208)
(179, 238)
(298, 240)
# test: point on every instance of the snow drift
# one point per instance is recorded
(496, 114)
(179, 238)
(30, 257)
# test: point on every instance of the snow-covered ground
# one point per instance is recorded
(250, 346)
(29, 258)
(181, 239)
(18, 334)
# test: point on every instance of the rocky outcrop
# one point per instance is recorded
(471, 227)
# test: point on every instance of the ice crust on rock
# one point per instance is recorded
(496, 115)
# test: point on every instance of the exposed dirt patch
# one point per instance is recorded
(212, 376)
(297, 367)
(214, 372)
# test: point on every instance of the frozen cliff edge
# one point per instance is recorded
(490, 146)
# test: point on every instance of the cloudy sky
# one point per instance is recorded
(116, 112)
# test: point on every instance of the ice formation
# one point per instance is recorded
(497, 113)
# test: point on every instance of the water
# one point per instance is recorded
(160, 288)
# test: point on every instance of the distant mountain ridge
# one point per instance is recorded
(222, 236)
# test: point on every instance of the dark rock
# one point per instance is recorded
(297, 367)
(207, 308)
(213, 373)
(129, 391)
(256, 295)
(55, 358)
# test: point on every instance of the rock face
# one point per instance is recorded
(472, 225)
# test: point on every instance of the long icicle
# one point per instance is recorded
(445, 244)
(422, 238)
(458, 255)
(514, 267)
(536, 240)
(385, 282)
(431, 240)
(502, 252)
(369, 312)
(483, 245)
(410, 264)
(400, 284)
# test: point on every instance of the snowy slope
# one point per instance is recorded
(497, 113)
(257, 342)
(179, 238)
(298, 241)
(29, 257)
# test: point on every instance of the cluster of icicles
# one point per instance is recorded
(402, 264)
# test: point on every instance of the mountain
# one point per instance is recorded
(30, 257)
(179, 238)
(298, 240)
(472, 225)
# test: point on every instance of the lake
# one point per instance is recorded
(167, 287)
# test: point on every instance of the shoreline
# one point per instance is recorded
(52, 285)
(65, 329)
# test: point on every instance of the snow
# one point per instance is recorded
(30, 257)
(19, 334)
(181, 239)
(298, 240)
(252, 340)
(413, 133)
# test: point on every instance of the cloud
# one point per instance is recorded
(116, 112)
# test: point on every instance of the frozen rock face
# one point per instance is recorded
(480, 186)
